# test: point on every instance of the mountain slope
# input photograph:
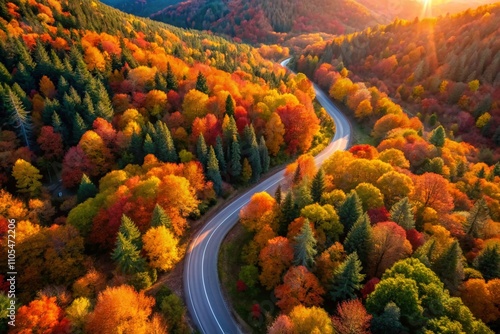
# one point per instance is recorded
(264, 20)
(140, 7)
(435, 73)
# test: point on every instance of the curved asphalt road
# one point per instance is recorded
(201, 279)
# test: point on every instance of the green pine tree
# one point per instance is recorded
(149, 146)
(202, 150)
(231, 132)
(79, 128)
(496, 169)
(478, 217)
(389, 322)
(58, 126)
(350, 211)
(213, 172)
(302, 195)
(288, 213)
(127, 256)
(86, 189)
(160, 218)
(318, 186)
(488, 262)
(229, 105)
(305, 247)
(103, 108)
(88, 111)
(5, 75)
(438, 137)
(160, 82)
(424, 253)
(264, 155)
(360, 239)
(136, 147)
(250, 150)
(171, 79)
(201, 83)
(130, 231)
(235, 167)
(219, 153)
(19, 118)
(449, 267)
(402, 214)
(165, 147)
(347, 279)
(62, 87)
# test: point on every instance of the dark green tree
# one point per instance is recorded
(201, 83)
(360, 239)
(438, 137)
(230, 132)
(402, 214)
(171, 79)
(149, 146)
(229, 105)
(235, 167)
(488, 262)
(449, 267)
(318, 186)
(86, 189)
(305, 247)
(79, 128)
(202, 150)
(219, 153)
(496, 169)
(278, 194)
(160, 218)
(160, 82)
(264, 155)
(136, 147)
(250, 149)
(389, 322)
(213, 172)
(350, 211)
(347, 279)
(103, 104)
(165, 147)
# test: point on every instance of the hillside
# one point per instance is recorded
(142, 8)
(267, 21)
(118, 133)
(449, 69)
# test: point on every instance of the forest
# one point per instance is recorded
(120, 134)
(401, 234)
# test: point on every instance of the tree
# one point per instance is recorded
(449, 267)
(165, 147)
(488, 262)
(351, 318)
(246, 172)
(86, 189)
(194, 105)
(350, 211)
(27, 178)
(278, 194)
(19, 118)
(160, 218)
(77, 313)
(360, 239)
(477, 219)
(229, 105)
(438, 136)
(370, 196)
(281, 325)
(51, 144)
(274, 132)
(389, 321)
(201, 83)
(161, 248)
(219, 153)
(310, 320)
(130, 231)
(482, 298)
(127, 255)
(299, 287)
(305, 246)
(347, 279)
(402, 214)
(235, 167)
(274, 259)
(149, 146)
(120, 307)
(264, 155)
(259, 212)
(42, 316)
(318, 186)
(389, 246)
(301, 125)
(202, 150)
(171, 79)
(213, 172)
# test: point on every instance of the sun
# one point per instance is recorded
(426, 8)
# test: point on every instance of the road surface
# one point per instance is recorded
(201, 280)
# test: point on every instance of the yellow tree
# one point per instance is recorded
(275, 130)
(312, 320)
(161, 249)
(364, 110)
(27, 177)
(194, 105)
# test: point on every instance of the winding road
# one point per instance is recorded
(201, 280)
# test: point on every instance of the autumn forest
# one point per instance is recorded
(130, 146)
